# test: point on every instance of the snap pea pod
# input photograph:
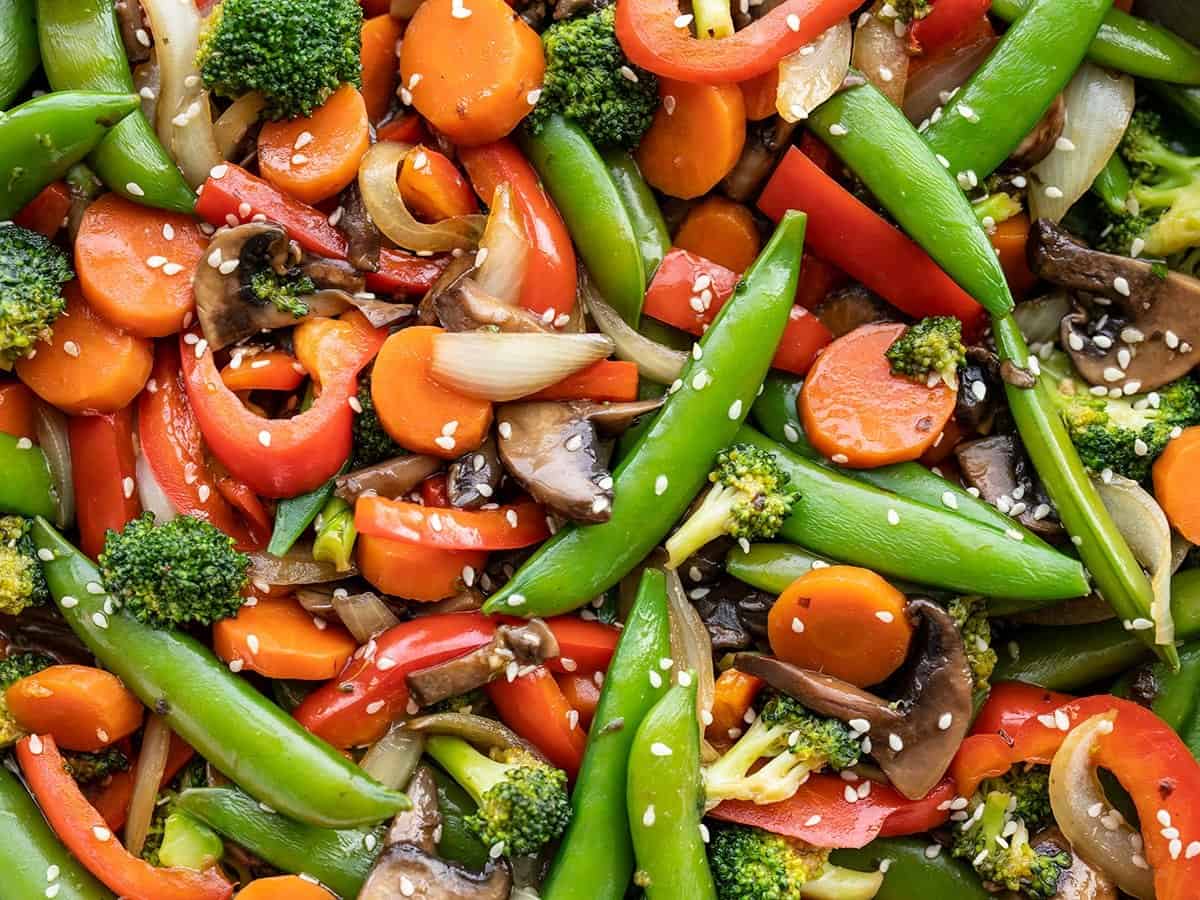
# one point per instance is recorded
(248, 738)
(911, 873)
(853, 522)
(1176, 694)
(338, 858)
(1184, 99)
(649, 229)
(1001, 103)
(1130, 44)
(457, 841)
(669, 465)
(772, 567)
(27, 487)
(595, 859)
(1113, 184)
(28, 850)
(295, 514)
(18, 47)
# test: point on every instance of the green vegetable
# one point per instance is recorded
(523, 803)
(654, 240)
(371, 443)
(931, 349)
(1113, 185)
(87, 768)
(1173, 695)
(1007, 859)
(970, 615)
(32, 273)
(996, 208)
(753, 864)
(584, 82)
(457, 842)
(748, 500)
(1028, 790)
(295, 514)
(18, 47)
(189, 843)
(284, 292)
(27, 488)
(940, 878)
(293, 52)
(336, 534)
(910, 10)
(185, 570)
(21, 581)
(14, 668)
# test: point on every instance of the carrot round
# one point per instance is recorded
(423, 574)
(83, 708)
(1009, 238)
(733, 695)
(1176, 487)
(272, 370)
(420, 414)
(695, 139)
(470, 66)
(720, 230)
(759, 95)
(283, 887)
(857, 413)
(844, 621)
(278, 639)
(135, 265)
(432, 188)
(315, 157)
(88, 365)
(380, 67)
(582, 693)
(17, 410)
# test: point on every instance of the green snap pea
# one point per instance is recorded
(1184, 99)
(772, 567)
(27, 487)
(18, 47)
(1113, 184)
(457, 841)
(911, 873)
(1175, 694)
(648, 226)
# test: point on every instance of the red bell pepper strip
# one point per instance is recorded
(845, 231)
(822, 814)
(550, 271)
(435, 491)
(583, 695)
(111, 797)
(1011, 704)
(18, 409)
(651, 39)
(583, 646)
(688, 291)
(258, 521)
(404, 273)
(817, 279)
(92, 842)
(103, 472)
(507, 528)
(45, 212)
(534, 706)
(947, 23)
(612, 380)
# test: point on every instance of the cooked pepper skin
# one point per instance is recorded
(18, 47)
(910, 872)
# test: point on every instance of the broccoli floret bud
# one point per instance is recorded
(795, 743)
(1166, 186)
(584, 82)
(87, 768)
(910, 10)
(1001, 853)
(471, 702)
(931, 349)
(285, 292)
(22, 583)
(293, 52)
(32, 273)
(1029, 788)
(749, 501)
(371, 443)
(12, 669)
(169, 575)
(970, 615)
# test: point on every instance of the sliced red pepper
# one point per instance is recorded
(534, 706)
(92, 842)
(583, 646)
(688, 291)
(273, 370)
(46, 212)
(583, 695)
(435, 492)
(822, 814)
(845, 231)
(507, 528)
(18, 406)
(651, 39)
(610, 380)
(1011, 704)
(817, 280)
(103, 471)
(112, 796)
(406, 129)
(404, 273)
(948, 22)
(259, 522)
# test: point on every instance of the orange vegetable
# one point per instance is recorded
(433, 188)
(407, 129)
(1009, 239)
(609, 379)
(279, 639)
(943, 445)
(272, 370)
(720, 230)
(315, 157)
(733, 695)
(857, 413)
(844, 621)
(17, 410)
(1176, 487)
(423, 574)
(759, 95)
(380, 65)
(46, 213)
(415, 410)
(695, 139)
(84, 709)
(111, 797)
(135, 265)
(89, 365)
(283, 887)
(583, 695)
(477, 61)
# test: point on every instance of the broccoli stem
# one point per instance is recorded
(838, 883)
(336, 536)
(707, 523)
(466, 765)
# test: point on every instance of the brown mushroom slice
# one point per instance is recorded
(419, 824)
(473, 478)
(465, 306)
(1143, 330)
(996, 467)
(403, 870)
(913, 737)
(363, 239)
(1038, 143)
(766, 142)
(390, 478)
(553, 450)
(851, 307)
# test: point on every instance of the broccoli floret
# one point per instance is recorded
(1029, 788)
(753, 864)
(12, 669)
(931, 349)
(285, 292)
(32, 273)
(588, 81)
(1166, 185)
(910, 10)
(471, 702)
(293, 52)
(89, 767)
(22, 583)
(1000, 852)
(523, 803)
(795, 743)
(748, 501)
(970, 615)
(371, 443)
(1124, 434)
(336, 534)
(1121, 229)
(169, 575)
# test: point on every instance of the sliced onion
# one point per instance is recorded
(52, 438)
(1144, 526)
(879, 53)
(1180, 548)
(929, 83)
(1099, 104)
(1074, 788)
(318, 601)
(235, 123)
(364, 615)
(151, 763)
(150, 493)
(691, 645)
(184, 117)
(297, 567)
(810, 76)
(377, 175)
(654, 361)
(394, 757)
(497, 366)
(1041, 319)
(504, 250)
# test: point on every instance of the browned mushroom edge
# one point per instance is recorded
(1038, 143)
(1079, 882)
(766, 142)
(464, 306)
(913, 737)
(390, 478)
(851, 307)
(996, 467)
(473, 478)
(363, 240)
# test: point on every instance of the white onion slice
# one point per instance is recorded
(151, 763)
(810, 76)
(503, 250)
(364, 615)
(237, 120)
(1040, 319)
(51, 428)
(655, 362)
(691, 648)
(150, 493)
(497, 366)
(394, 757)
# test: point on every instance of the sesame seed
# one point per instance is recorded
(648, 816)
(516, 600)
(655, 679)
(1054, 193)
(1121, 285)
(797, 625)
(850, 794)
(660, 485)
(895, 742)
(893, 517)
(100, 620)
(100, 833)
(71, 349)
(949, 500)
(374, 707)
(658, 748)
(229, 266)
(669, 104)
(35, 745)
(264, 438)
(884, 616)
(533, 96)
(979, 389)
(735, 409)
(683, 21)
(136, 189)
(945, 720)
(837, 129)
(793, 22)
(45, 554)
(628, 74)
(840, 458)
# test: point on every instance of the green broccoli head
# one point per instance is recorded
(931, 349)
(1166, 186)
(173, 574)
(998, 848)
(87, 768)
(590, 81)
(32, 273)
(293, 52)
(285, 292)
(749, 500)
(753, 864)
(970, 615)
(1028, 788)
(22, 583)
(910, 10)
(371, 443)
(12, 669)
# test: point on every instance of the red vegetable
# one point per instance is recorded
(945, 26)
(535, 707)
(403, 273)
(506, 528)
(103, 472)
(45, 212)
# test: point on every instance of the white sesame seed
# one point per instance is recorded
(100, 833)
(683, 21)
(797, 625)
(932, 851)
(895, 742)
(71, 349)
(660, 485)
(884, 616)
(648, 816)
(1054, 193)
(945, 720)
(628, 74)
(658, 748)
(100, 620)
(979, 389)
(655, 679)
(793, 22)
(837, 129)
(893, 517)
(850, 794)
(35, 745)
(136, 189)
(840, 459)
(264, 438)
(1121, 286)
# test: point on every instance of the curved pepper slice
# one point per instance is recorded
(534, 706)
(103, 471)
(506, 528)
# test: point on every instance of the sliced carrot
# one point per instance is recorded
(46, 213)
(943, 445)
(759, 95)
(1176, 487)
(720, 230)
(609, 379)
(1009, 239)
(89, 365)
(283, 887)
(844, 621)
(433, 188)
(423, 574)
(279, 639)
(407, 129)
(315, 157)
(476, 62)
(135, 265)
(733, 695)
(857, 413)
(380, 65)
(17, 410)
(420, 414)
(695, 139)
(84, 709)
(272, 370)
(582, 693)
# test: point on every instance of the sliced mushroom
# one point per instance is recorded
(390, 478)
(734, 613)
(1038, 143)
(466, 307)
(997, 467)
(976, 406)
(473, 478)
(1081, 881)
(766, 142)
(553, 450)
(134, 30)
(363, 239)
(418, 825)
(915, 736)
(848, 308)
(1140, 329)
